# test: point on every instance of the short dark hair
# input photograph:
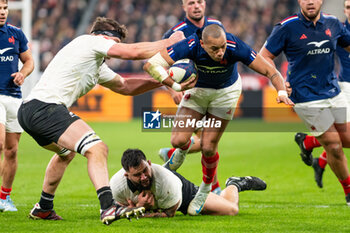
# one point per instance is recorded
(132, 158)
(105, 24)
(213, 30)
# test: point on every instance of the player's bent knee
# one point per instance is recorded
(177, 142)
(11, 153)
(88, 141)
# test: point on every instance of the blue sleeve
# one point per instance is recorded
(275, 43)
(168, 34)
(240, 50)
(183, 49)
(22, 42)
(344, 39)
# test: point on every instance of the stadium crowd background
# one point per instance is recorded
(55, 22)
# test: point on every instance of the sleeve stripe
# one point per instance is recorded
(180, 26)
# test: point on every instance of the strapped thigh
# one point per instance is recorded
(86, 142)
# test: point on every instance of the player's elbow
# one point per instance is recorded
(170, 214)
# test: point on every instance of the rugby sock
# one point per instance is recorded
(214, 186)
(346, 185)
(5, 192)
(310, 142)
(322, 160)
(46, 201)
(209, 165)
(105, 196)
(170, 152)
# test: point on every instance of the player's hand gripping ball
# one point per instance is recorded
(182, 70)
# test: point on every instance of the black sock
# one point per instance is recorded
(46, 201)
(104, 194)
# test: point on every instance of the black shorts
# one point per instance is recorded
(45, 122)
(189, 190)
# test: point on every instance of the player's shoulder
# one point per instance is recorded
(332, 20)
(329, 17)
(232, 39)
(161, 172)
(291, 20)
(14, 29)
(214, 21)
(179, 26)
(118, 177)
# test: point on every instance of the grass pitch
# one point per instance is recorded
(291, 203)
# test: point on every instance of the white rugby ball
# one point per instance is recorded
(182, 70)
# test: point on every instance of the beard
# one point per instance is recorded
(196, 18)
(311, 16)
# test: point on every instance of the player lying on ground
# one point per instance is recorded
(163, 191)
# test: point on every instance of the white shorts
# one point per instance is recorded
(345, 88)
(218, 102)
(320, 115)
(8, 113)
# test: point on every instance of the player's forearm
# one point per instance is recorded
(27, 68)
(277, 81)
(156, 215)
(136, 86)
(141, 50)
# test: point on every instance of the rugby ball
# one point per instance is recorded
(182, 70)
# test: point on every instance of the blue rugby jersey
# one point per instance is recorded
(310, 52)
(12, 43)
(344, 60)
(188, 28)
(212, 74)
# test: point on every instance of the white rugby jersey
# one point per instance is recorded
(166, 188)
(74, 71)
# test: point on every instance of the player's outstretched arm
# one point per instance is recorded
(263, 67)
(142, 50)
(131, 86)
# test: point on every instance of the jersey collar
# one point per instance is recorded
(192, 25)
(134, 187)
(309, 23)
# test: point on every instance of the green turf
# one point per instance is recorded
(291, 203)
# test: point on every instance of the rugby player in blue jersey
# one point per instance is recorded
(307, 142)
(215, 94)
(309, 39)
(193, 21)
(13, 47)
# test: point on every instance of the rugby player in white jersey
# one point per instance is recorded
(163, 191)
(44, 114)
